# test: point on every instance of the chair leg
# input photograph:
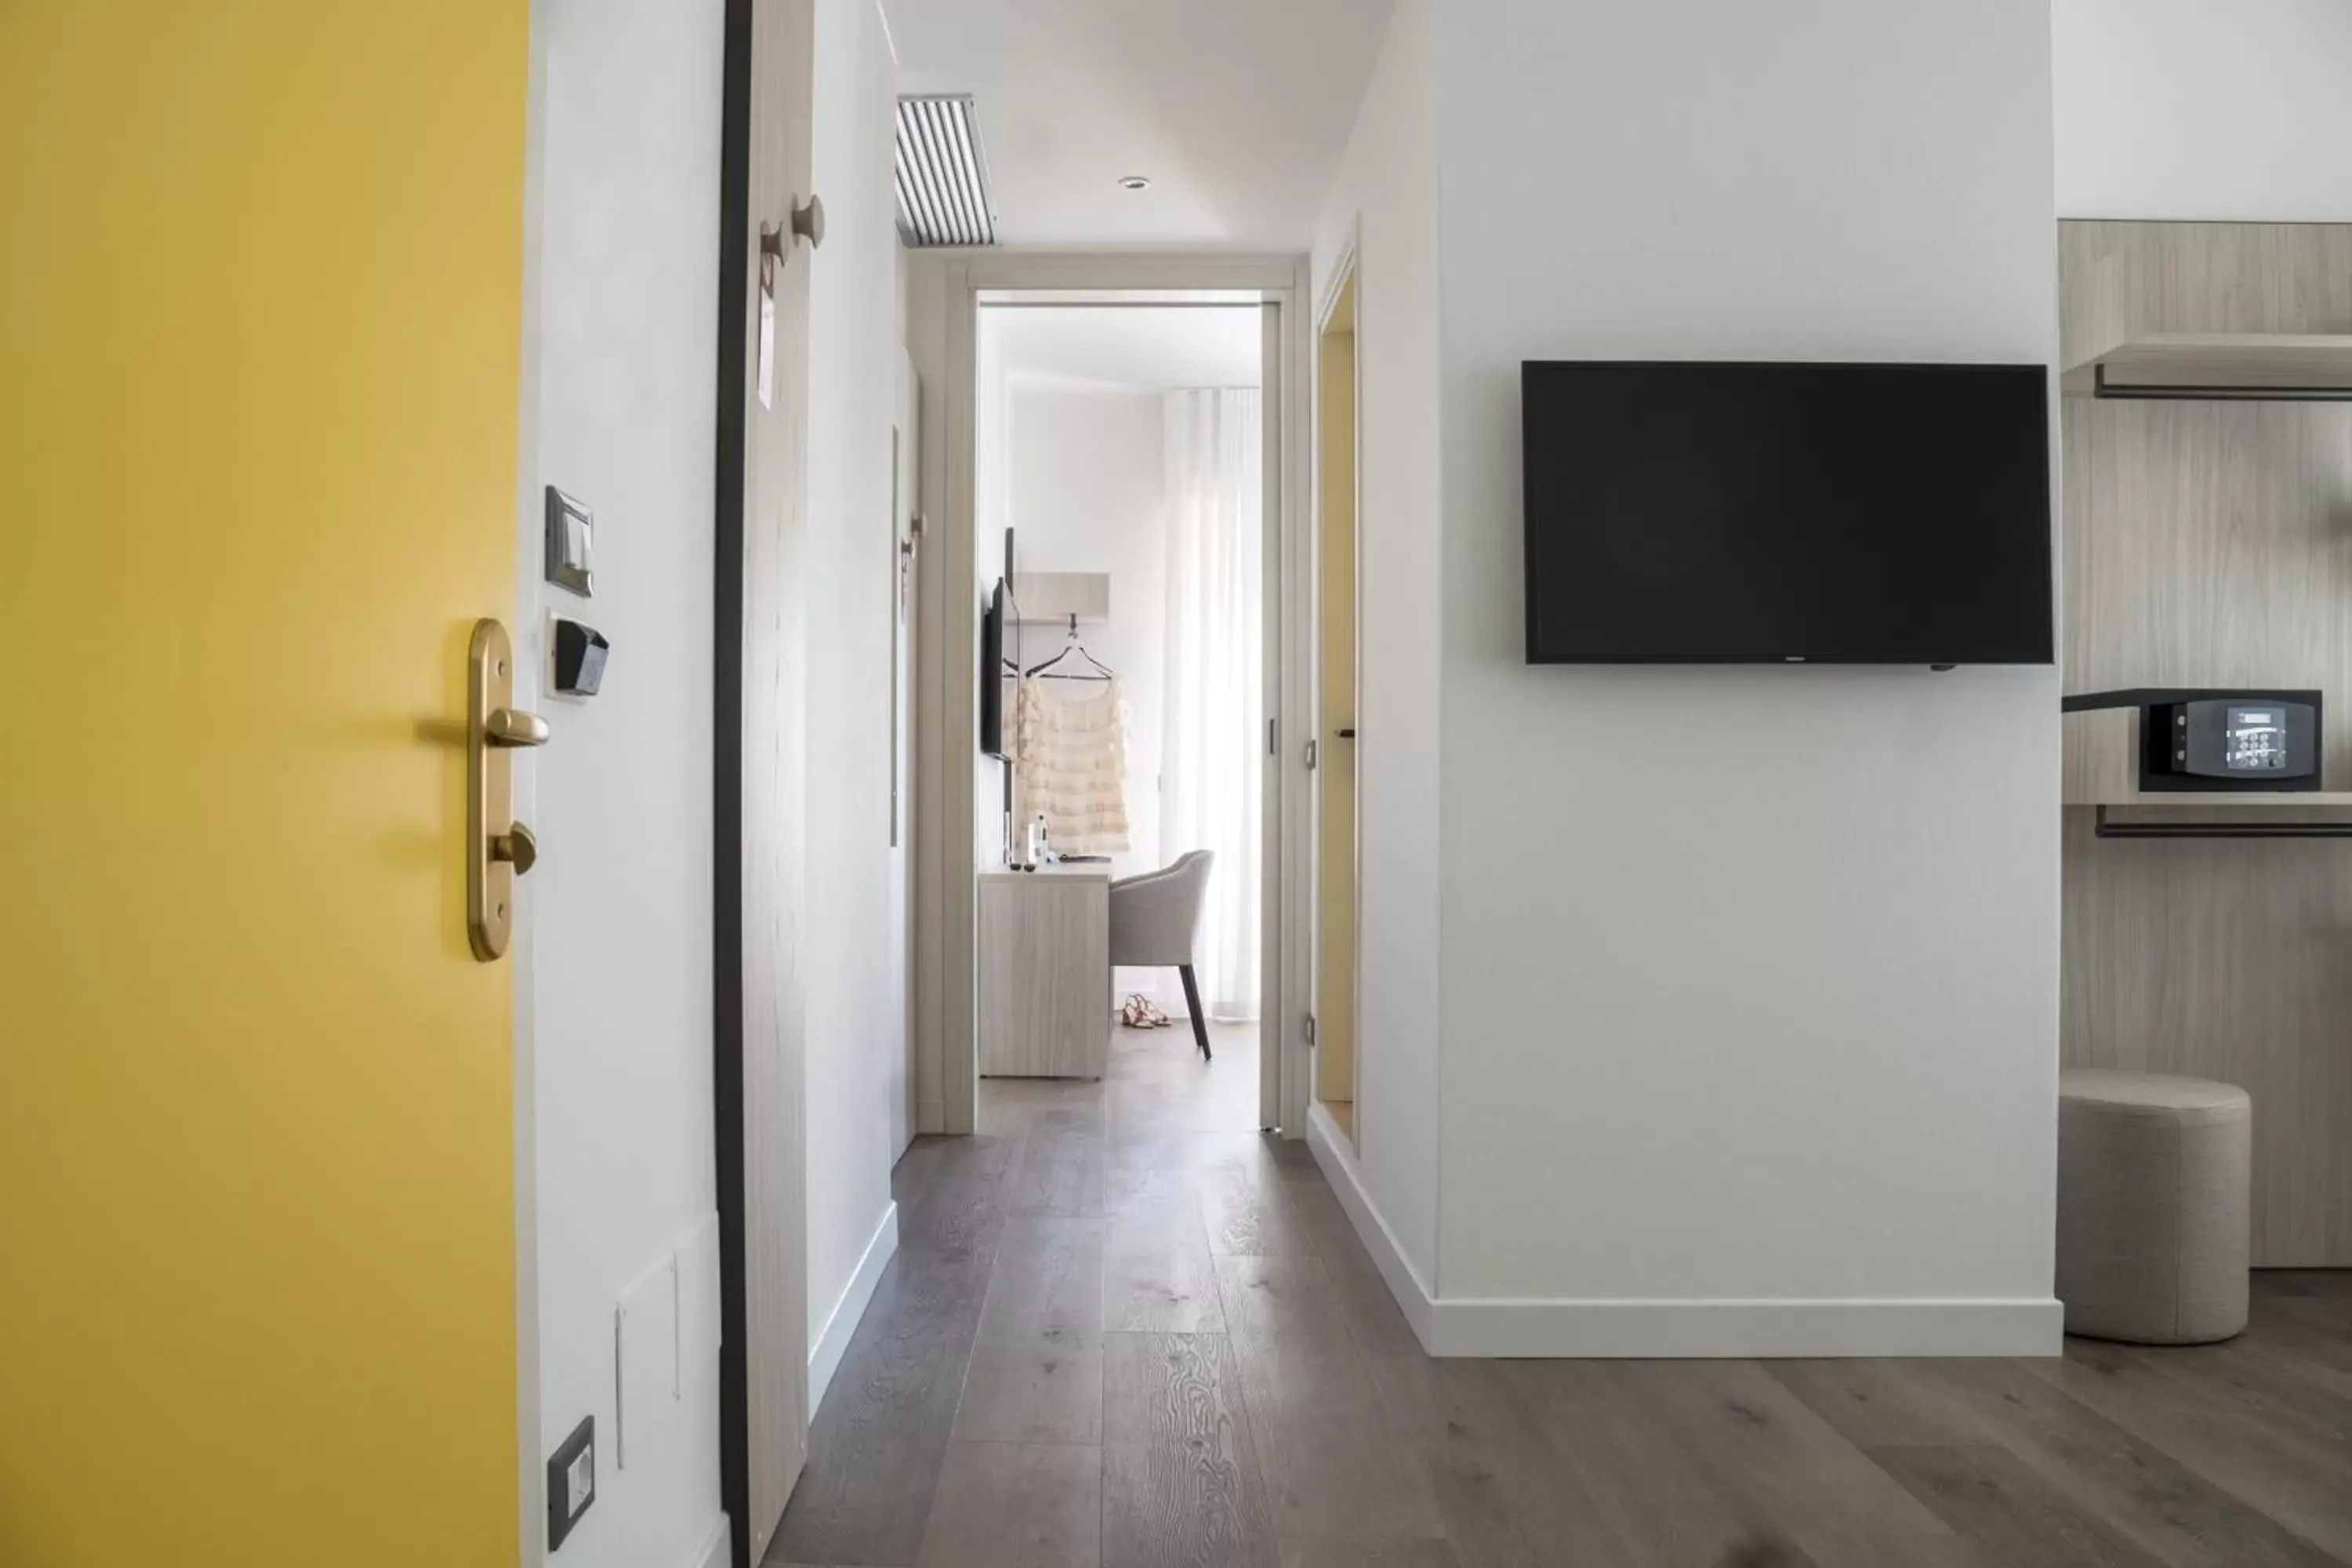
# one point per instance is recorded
(1200, 1017)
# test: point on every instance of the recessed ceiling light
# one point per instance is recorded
(1134, 183)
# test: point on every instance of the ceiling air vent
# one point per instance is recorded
(942, 173)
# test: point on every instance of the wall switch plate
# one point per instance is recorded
(571, 1481)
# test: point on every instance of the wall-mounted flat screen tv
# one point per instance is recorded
(1744, 513)
(991, 674)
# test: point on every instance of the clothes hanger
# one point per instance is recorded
(1074, 645)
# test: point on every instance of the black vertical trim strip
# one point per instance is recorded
(727, 772)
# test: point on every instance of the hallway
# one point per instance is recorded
(1121, 1329)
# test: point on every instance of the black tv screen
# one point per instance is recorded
(1736, 513)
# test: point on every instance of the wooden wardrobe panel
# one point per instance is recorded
(2228, 959)
(2209, 543)
(762, 1159)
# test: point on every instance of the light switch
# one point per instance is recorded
(571, 1481)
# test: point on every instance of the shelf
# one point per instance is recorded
(1043, 597)
(2100, 751)
(2230, 366)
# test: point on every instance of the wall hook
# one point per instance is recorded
(808, 221)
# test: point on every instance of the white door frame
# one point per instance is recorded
(945, 922)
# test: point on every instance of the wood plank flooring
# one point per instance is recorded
(1122, 1328)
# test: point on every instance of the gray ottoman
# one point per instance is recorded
(2154, 1178)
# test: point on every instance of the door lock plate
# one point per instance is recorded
(498, 847)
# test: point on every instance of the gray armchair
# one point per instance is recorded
(1154, 919)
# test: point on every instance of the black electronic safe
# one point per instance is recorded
(2213, 740)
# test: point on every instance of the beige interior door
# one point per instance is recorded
(1337, 639)
(1274, 604)
(770, 1284)
(906, 545)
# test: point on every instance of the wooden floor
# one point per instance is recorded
(1123, 1329)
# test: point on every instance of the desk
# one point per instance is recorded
(1045, 971)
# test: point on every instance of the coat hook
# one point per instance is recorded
(808, 221)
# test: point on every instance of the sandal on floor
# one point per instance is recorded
(1136, 1012)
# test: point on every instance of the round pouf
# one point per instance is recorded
(2154, 1182)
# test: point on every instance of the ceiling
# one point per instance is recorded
(1236, 109)
(1149, 347)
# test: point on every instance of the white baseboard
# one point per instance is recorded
(1329, 1147)
(716, 1551)
(1833, 1327)
(1624, 1328)
(824, 1355)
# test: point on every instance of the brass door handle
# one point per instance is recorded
(517, 847)
(498, 847)
(513, 727)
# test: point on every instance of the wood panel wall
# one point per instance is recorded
(762, 758)
(2209, 543)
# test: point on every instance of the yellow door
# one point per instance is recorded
(260, 274)
(1336, 646)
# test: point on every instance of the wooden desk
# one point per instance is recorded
(1044, 972)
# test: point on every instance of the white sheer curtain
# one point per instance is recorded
(1213, 724)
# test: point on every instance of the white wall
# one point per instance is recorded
(856, 1020)
(1774, 1018)
(991, 515)
(618, 912)
(1088, 482)
(926, 320)
(1087, 478)
(1389, 184)
(2219, 110)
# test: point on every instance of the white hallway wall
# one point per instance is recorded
(1754, 1048)
(991, 515)
(617, 916)
(618, 927)
(1389, 184)
(2189, 109)
(857, 1020)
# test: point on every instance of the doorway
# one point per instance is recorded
(1120, 504)
(1337, 964)
(967, 812)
